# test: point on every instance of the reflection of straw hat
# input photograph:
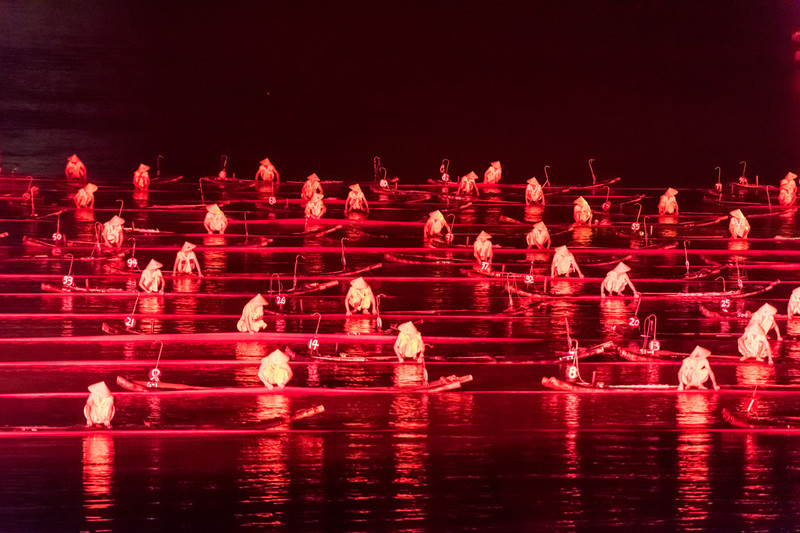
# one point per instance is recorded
(313, 177)
(153, 265)
(142, 168)
(356, 187)
(540, 225)
(670, 192)
(318, 196)
(767, 309)
(791, 176)
(580, 200)
(621, 268)
(562, 250)
(737, 213)
(100, 388)
(436, 215)
(74, 159)
(116, 221)
(484, 235)
(699, 351)
(258, 300)
(91, 188)
(277, 357)
(496, 164)
(533, 181)
(266, 162)
(213, 208)
(408, 328)
(471, 176)
(359, 283)
(188, 247)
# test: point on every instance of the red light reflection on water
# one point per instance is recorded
(98, 468)
(694, 453)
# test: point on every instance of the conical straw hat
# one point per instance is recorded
(670, 192)
(313, 177)
(699, 351)
(791, 176)
(213, 208)
(188, 247)
(266, 162)
(258, 300)
(277, 357)
(737, 213)
(100, 388)
(116, 220)
(540, 225)
(408, 328)
(74, 159)
(153, 265)
(356, 187)
(562, 250)
(767, 309)
(622, 267)
(496, 164)
(359, 283)
(91, 188)
(142, 168)
(580, 200)
(534, 182)
(471, 176)
(436, 215)
(484, 235)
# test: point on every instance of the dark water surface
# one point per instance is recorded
(659, 93)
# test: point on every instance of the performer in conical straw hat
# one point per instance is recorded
(493, 173)
(215, 220)
(616, 280)
(99, 409)
(695, 370)
(85, 196)
(152, 280)
(186, 261)
(668, 204)
(75, 169)
(252, 320)
(275, 370)
(360, 298)
(141, 178)
(267, 172)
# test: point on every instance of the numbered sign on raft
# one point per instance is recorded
(528, 279)
(280, 300)
(313, 344)
(130, 322)
(633, 321)
(486, 266)
(132, 263)
(384, 184)
(272, 200)
(68, 281)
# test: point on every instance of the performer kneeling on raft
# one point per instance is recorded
(99, 408)
(493, 173)
(539, 236)
(738, 225)
(793, 307)
(267, 172)
(315, 209)
(765, 317)
(215, 220)
(435, 224)
(534, 194)
(360, 298)
(482, 250)
(582, 213)
(356, 201)
(616, 281)
(467, 185)
(141, 178)
(151, 279)
(75, 170)
(564, 263)
(754, 344)
(311, 187)
(186, 261)
(112, 233)
(409, 345)
(85, 196)
(695, 371)
(667, 204)
(275, 370)
(252, 320)
(788, 192)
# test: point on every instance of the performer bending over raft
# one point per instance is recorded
(275, 370)
(360, 298)
(311, 187)
(356, 201)
(538, 236)
(151, 279)
(788, 193)
(667, 204)
(467, 185)
(409, 344)
(99, 408)
(252, 320)
(186, 261)
(215, 219)
(534, 194)
(267, 172)
(765, 317)
(582, 213)
(738, 225)
(564, 263)
(482, 250)
(141, 178)
(493, 173)
(75, 169)
(695, 370)
(112, 233)
(754, 344)
(85, 196)
(793, 308)
(435, 224)
(315, 209)
(616, 281)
